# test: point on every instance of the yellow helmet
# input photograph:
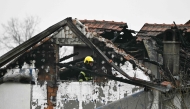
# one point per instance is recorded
(88, 59)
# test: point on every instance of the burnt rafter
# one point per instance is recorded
(68, 56)
(75, 61)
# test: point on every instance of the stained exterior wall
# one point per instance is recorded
(15, 96)
(84, 95)
(39, 96)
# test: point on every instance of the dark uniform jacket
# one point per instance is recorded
(85, 76)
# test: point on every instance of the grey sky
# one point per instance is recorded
(134, 12)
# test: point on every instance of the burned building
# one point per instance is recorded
(112, 46)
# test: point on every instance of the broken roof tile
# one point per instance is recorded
(96, 25)
(155, 29)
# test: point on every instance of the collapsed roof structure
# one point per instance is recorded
(111, 45)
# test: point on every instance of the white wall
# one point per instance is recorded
(89, 95)
(15, 96)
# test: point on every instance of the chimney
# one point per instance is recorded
(171, 51)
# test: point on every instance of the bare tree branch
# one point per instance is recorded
(16, 31)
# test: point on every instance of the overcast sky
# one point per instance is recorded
(134, 13)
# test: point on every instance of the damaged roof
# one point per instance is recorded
(149, 30)
(100, 25)
(30, 44)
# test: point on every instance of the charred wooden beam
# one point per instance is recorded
(75, 61)
(136, 52)
(68, 56)
(152, 62)
(133, 48)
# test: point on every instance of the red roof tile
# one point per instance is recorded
(97, 25)
(155, 29)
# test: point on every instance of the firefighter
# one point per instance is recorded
(88, 64)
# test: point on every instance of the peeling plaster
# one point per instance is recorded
(39, 96)
(27, 72)
(85, 93)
